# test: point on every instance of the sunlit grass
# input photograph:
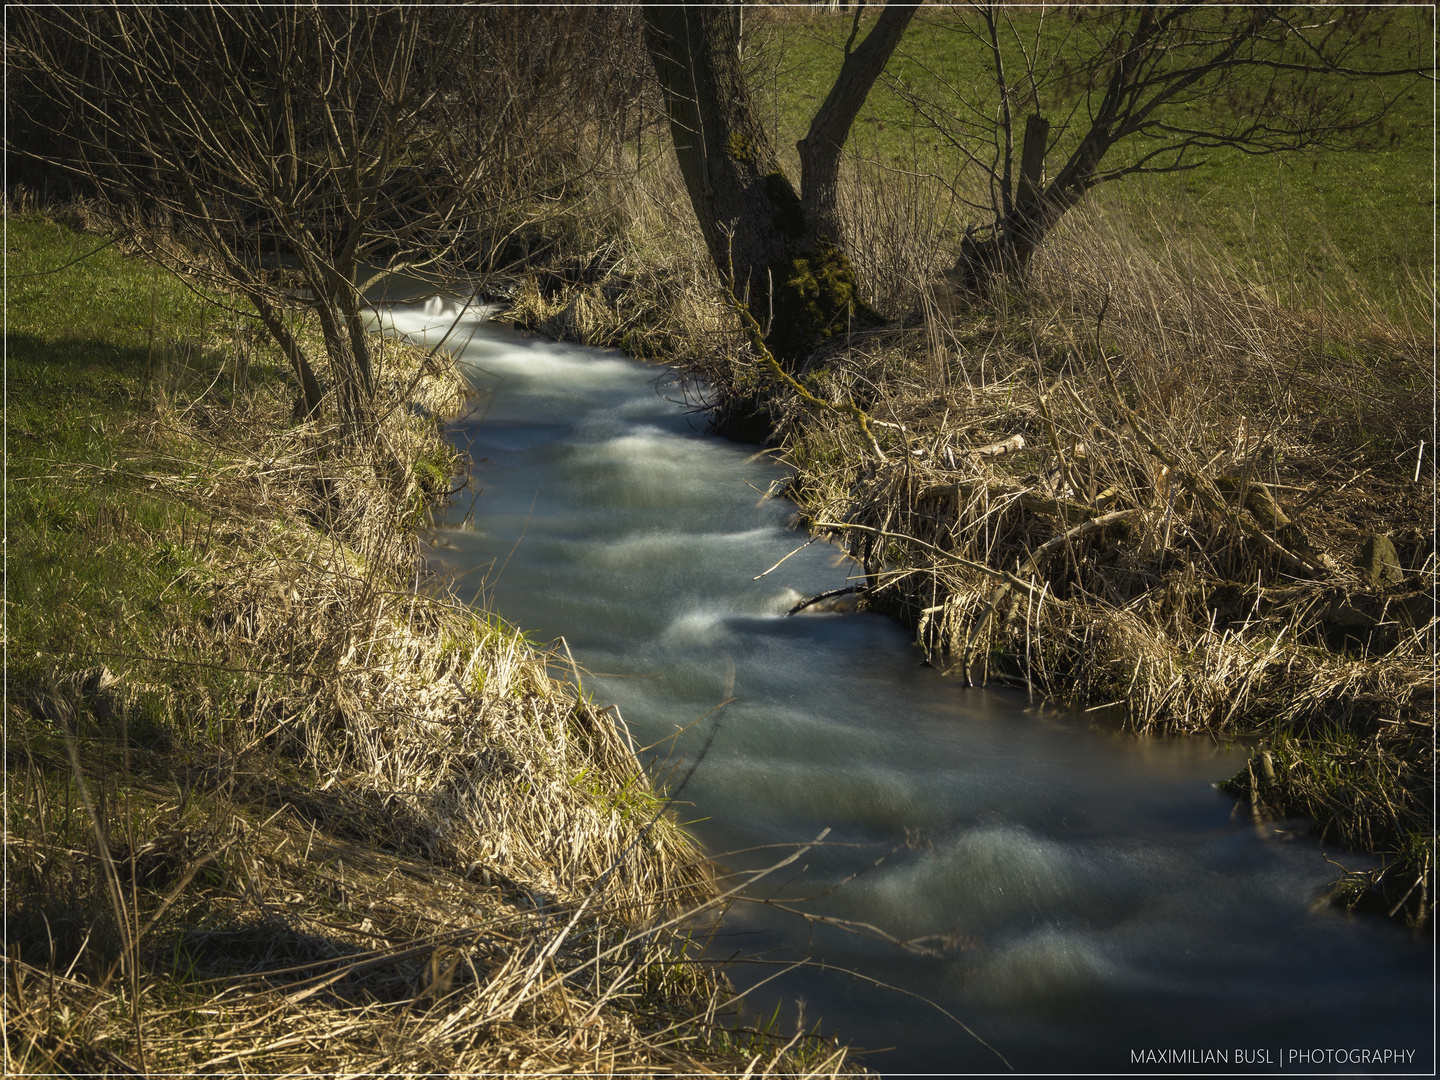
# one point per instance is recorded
(1305, 220)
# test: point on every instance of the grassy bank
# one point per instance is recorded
(1189, 532)
(1299, 222)
(1131, 484)
(269, 807)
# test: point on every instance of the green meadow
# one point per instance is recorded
(91, 338)
(1305, 220)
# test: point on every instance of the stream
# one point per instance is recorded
(1092, 902)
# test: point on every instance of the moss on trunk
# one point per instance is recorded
(810, 297)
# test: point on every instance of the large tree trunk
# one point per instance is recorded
(781, 251)
(747, 209)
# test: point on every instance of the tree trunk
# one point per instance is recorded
(352, 393)
(747, 209)
(783, 255)
(1006, 252)
(309, 404)
(821, 148)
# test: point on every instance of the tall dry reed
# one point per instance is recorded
(1136, 482)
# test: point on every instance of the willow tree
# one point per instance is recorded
(780, 248)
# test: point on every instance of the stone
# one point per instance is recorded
(1379, 562)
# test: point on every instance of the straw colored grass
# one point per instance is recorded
(1137, 485)
(648, 283)
(1139, 482)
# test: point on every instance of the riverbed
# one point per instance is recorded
(1021, 885)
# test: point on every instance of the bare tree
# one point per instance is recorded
(341, 144)
(1141, 89)
(781, 249)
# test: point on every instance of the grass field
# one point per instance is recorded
(1298, 222)
(81, 346)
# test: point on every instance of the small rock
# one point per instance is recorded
(1379, 562)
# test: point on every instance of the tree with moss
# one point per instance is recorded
(782, 250)
(1097, 94)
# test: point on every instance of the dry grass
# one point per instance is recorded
(335, 823)
(1135, 484)
(651, 288)
(899, 228)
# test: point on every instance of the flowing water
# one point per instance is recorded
(1090, 895)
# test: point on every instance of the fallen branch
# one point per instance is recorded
(989, 571)
(822, 596)
(1034, 502)
(1012, 445)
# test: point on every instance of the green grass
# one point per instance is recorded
(104, 562)
(1305, 219)
(94, 565)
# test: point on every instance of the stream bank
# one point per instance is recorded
(269, 807)
(1212, 512)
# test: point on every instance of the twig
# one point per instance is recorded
(1083, 529)
(988, 571)
(797, 551)
(823, 596)
(72, 262)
